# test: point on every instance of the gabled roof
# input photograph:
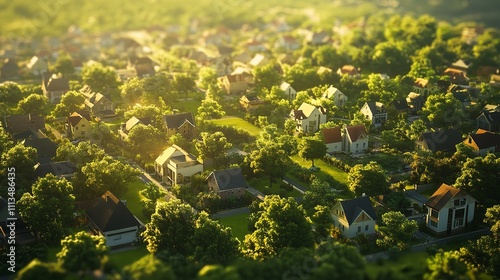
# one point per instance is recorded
(20, 123)
(421, 83)
(306, 109)
(177, 120)
(133, 121)
(355, 131)
(492, 117)
(109, 213)
(330, 92)
(57, 83)
(348, 69)
(442, 140)
(75, 118)
(353, 207)
(61, 168)
(400, 104)
(442, 195)
(46, 148)
(486, 140)
(414, 96)
(332, 135)
(284, 86)
(375, 107)
(228, 179)
(168, 154)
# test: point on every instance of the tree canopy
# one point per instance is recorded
(82, 252)
(368, 179)
(396, 231)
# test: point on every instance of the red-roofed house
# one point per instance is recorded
(333, 139)
(449, 210)
(355, 139)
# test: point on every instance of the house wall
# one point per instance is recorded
(442, 220)
(334, 147)
(237, 192)
(340, 99)
(360, 226)
(180, 173)
(120, 237)
(54, 96)
(365, 110)
(360, 146)
(81, 130)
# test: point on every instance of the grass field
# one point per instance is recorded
(238, 224)
(325, 169)
(262, 184)
(133, 198)
(238, 123)
(122, 259)
(188, 105)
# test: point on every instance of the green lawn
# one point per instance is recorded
(325, 169)
(122, 259)
(238, 224)
(238, 123)
(262, 184)
(188, 106)
(133, 198)
(407, 266)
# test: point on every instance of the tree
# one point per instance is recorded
(132, 90)
(220, 247)
(34, 104)
(37, 270)
(338, 261)
(64, 65)
(82, 252)
(80, 154)
(184, 83)
(282, 223)
(22, 159)
(396, 231)
(170, 228)
(158, 87)
(492, 215)
(311, 148)
(216, 272)
(397, 201)
(271, 160)
(209, 109)
(322, 220)
(107, 174)
(213, 147)
(443, 110)
(10, 92)
(265, 77)
(144, 139)
(391, 59)
(152, 193)
(368, 179)
(207, 77)
(148, 268)
(70, 102)
(447, 265)
(5, 141)
(289, 127)
(49, 209)
(154, 112)
(100, 78)
(319, 193)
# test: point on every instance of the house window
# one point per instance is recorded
(76, 128)
(434, 213)
(83, 125)
(364, 144)
(359, 229)
(83, 132)
(357, 145)
(118, 237)
(434, 224)
(366, 228)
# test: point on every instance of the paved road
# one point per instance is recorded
(300, 188)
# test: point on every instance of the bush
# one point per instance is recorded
(338, 163)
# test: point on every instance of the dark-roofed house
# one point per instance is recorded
(176, 166)
(9, 69)
(483, 142)
(449, 210)
(97, 103)
(16, 124)
(489, 120)
(374, 111)
(415, 101)
(354, 216)
(251, 102)
(308, 118)
(131, 123)
(332, 137)
(355, 139)
(227, 183)
(54, 87)
(399, 107)
(62, 169)
(46, 148)
(182, 123)
(109, 217)
(441, 140)
(78, 126)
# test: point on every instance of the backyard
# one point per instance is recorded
(238, 123)
(238, 223)
(133, 198)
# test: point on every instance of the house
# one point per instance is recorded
(374, 111)
(449, 210)
(54, 87)
(227, 183)
(175, 165)
(489, 119)
(108, 216)
(349, 70)
(336, 95)
(9, 69)
(483, 142)
(143, 66)
(424, 87)
(258, 60)
(251, 102)
(460, 65)
(399, 107)
(288, 43)
(78, 126)
(317, 38)
(254, 46)
(332, 137)
(182, 123)
(131, 123)
(46, 148)
(288, 90)
(322, 71)
(355, 139)
(415, 101)
(439, 141)
(97, 103)
(236, 83)
(469, 34)
(62, 169)
(308, 118)
(37, 66)
(456, 76)
(17, 124)
(495, 80)
(354, 216)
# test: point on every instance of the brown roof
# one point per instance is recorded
(299, 115)
(20, 123)
(74, 119)
(442, 195)
(355, 131)
(421, 83)
(332, 135)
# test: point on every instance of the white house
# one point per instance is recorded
(449, 210)
(332, 137)
(374, 111)
(288, 90)
(109, 217)
(176, 166)
(354, 216)
(308, 118)
(355, 139)
(37, 66)
(336, 95)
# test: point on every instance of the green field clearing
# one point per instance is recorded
(124, 258)
(238, 224)
(133, 198)
(238, 123)
(262, 184)
(325, 169)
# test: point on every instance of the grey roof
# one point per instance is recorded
(56, 83)
(354, 207)
(413, 194)
(62, 168)
(443, 140)
(20, 123)
(176, 120)
(401, 104)
(109, 213)
(229, 179)
(46, 148)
